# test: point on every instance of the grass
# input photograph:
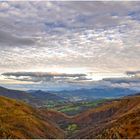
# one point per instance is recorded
(78, 107)
(70, 108)
(72, 128)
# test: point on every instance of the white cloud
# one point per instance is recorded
(96, 36)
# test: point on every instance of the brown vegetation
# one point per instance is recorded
(115, 119)
(18, 120)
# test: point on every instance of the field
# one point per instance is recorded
(78, 107)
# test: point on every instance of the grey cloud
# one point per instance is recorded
(131, 81)
(122, 80)
(44, 76)
(97, 36)
(132, 72)
(8, 39)
(67, 14)
(41, 74)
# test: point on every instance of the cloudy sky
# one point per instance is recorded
(62, 44)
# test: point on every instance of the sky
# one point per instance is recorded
(69, 44)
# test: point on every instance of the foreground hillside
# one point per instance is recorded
(116, 119)
(18, 120)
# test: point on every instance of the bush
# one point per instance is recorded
(72, 128)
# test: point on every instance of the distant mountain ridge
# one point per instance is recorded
(34, 98)
(41, 98)
(43, 94)
(19, 95)
(95, 93)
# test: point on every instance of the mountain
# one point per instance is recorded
(117, 119)
(19, 120)
(48, 99)
(35, 98)
(110, 120)
(20, 95)
(95, 93)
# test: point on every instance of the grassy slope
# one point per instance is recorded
(18, 120)
(117, 119)
(114, 119)
(78, 107)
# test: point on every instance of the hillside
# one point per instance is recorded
(61, 119)
(116, 119)
(47, 99)
(35, 98)
(42, 94)
(18, 120)
(20, 95)
(119, 118)
(74, 108)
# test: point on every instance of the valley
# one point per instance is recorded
(103, 118)
(74, 108)
(69, 69)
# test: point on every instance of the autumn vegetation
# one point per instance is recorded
(117, 119)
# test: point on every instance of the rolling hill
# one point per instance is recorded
(20, 95)
(46, 95)
(47, 99)
(116, 118)
(18, 120)
(35, 98)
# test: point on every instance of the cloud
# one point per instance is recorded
(47, 81)
(122, 80)
(49, 16)
(131, 81)
(95, 36)
(133, 73)
(45, 77)
(131, 77)
(7, 39)
(134, 76)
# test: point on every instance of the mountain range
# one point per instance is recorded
(95, 93)
(117, 118)
(35, 98)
